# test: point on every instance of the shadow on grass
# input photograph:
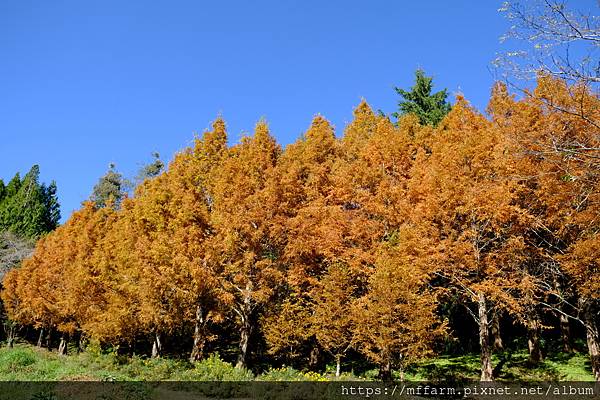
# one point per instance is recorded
(510, 366)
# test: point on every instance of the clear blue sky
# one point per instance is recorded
(83, 84)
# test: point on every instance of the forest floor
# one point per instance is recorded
(28, 363)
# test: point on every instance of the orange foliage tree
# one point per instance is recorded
(341, 245)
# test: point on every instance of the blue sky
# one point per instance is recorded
(83, 84)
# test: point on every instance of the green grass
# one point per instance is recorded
(556, 367)
(28, 363)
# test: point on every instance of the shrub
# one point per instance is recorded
(287, 374)
(16, 359)
(215, 369)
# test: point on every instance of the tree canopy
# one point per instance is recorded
(340, 248)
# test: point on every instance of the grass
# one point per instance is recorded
(556, 367)
(28, 363)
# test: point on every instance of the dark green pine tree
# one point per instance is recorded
(52, 213)
(110, 189)
(2, 191)
(430, 107)
(13, 186)
(28, 208)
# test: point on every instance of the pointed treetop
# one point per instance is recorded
(219, 127)
(320, 141)
(34, 172)
(320, 129)
(361, 128)
(261, 129)
(262, 135)
(500, 101)
(430, 107)
(215, 140)
(111, 185)
(13, 185)
(363, 109)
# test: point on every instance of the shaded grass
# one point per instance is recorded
(556, 367)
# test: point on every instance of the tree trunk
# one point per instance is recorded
(484, 340)
(246, 328)
(534, 331)
(385, 371)
(11, 334)
(495, 332)
(81, 342)
(565, 333)
(199, 336)
(156, 346)
(565, 326)
(338, 364)
(62, 347)
(49, 338)
(245, 332)
(314, 357)
(592, 336)
(40, 337)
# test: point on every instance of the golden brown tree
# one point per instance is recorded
(246, 246)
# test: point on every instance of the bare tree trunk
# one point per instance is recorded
(534, 332)
(81, 342)
(338, 364)
(495, 332)
(199, 336)
(245, 332)
(62, 347)
(484, 340)
(246, 328)
(156, 346)
(40, 337)
(592, 336)
(11, 333)
(564, 324)
(565, 333)
(49, 338)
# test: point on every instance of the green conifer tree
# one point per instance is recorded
(110, 189)
(150, 170)
(28, 208)
(2, 191)
(430, 107)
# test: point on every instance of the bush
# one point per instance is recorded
(215, 369)
(16, 359)
(287, 374)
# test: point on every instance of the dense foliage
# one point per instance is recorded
(355, 247)
(28, 208)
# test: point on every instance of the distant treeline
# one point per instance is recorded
(359, 247)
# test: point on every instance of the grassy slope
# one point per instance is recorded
(27, 363)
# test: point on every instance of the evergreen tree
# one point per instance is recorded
(2, 190)
(430, 107)
(29, 208)
(13, 186)
(52, 213)
(110, 189)
(150, 170)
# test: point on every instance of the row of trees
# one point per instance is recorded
(349, 246)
